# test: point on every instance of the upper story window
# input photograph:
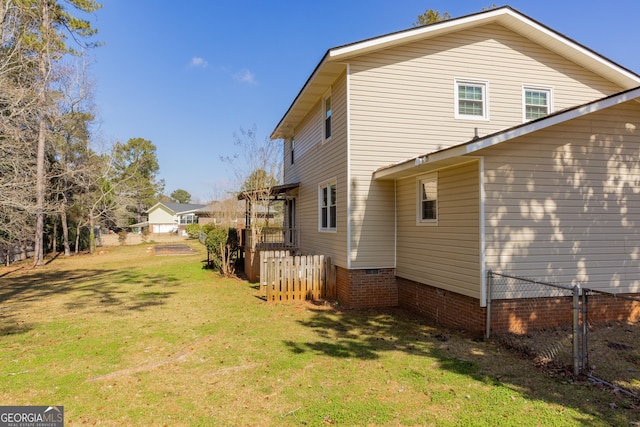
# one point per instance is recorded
(537, 102)
(293, 146)
(326, 106)
(427, 199)
(328, 204)
(471, 100)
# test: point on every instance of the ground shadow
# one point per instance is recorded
(367, 334)
(95, 289)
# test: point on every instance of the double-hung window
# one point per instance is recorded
(328, 203)
(427, 209)
(537, 102)
(327, 109)
(471, 100)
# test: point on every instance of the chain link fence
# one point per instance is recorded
(568, 329)
(518, 305)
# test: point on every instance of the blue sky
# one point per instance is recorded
(189, 75)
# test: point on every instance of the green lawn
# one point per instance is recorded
(127, 338)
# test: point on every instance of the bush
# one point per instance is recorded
(222, 246)
(193, 230)
(122, 237)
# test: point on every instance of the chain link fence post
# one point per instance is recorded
(489, 285)
(576, 330)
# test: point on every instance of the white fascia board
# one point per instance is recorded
(412, 34)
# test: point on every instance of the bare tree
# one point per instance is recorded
(257, 168)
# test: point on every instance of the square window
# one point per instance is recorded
(536, 103)
(471, 100)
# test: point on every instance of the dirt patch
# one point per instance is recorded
(173, 249)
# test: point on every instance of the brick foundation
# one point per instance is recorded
(607, 308)
(367, 288)
(446, 308)
(514, 316)
(380, 288)
(519, 316)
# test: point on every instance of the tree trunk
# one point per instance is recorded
(43, 68)
(65, 230)
(92, 234)
(38, 256)
(54, 242)
(77, 236)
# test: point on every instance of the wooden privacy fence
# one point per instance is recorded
(285, 277)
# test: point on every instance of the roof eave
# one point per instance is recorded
(334, 60)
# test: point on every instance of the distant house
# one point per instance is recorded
(172, 217)
(419, 160)
(225, 213)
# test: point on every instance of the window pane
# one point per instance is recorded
(533, 113)
(470, 92)
(332, 217)
(470, 100)
(429, 209)
(325, 197)
(324, 217)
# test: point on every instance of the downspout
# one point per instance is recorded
(348, 78)
(395, 223)
(483, 264)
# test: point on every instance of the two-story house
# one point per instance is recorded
(425, 158)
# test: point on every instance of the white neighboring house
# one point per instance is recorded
(172, 217)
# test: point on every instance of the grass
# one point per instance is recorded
(130, 338)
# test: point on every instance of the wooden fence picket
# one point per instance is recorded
(284, 277)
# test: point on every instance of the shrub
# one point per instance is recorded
(193, 230)
(122, 237)
(222, 246)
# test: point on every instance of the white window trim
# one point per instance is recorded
(326, 95)
(321, 186)
(485, 104)
(537, 88)
(419, 180)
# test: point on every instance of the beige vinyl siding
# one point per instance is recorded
(402, 106)
(446, 255)
(563, 204)
(161, 216)
(308, 137)
(316, 162)
(403, 99)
